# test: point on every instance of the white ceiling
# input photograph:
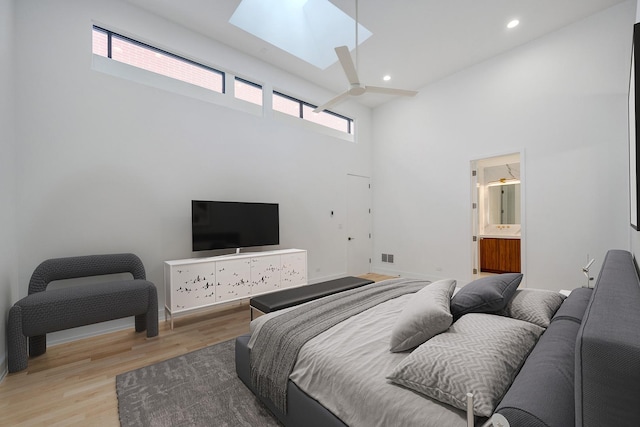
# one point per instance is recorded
(415, 41)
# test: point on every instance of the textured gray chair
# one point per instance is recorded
(43, 311)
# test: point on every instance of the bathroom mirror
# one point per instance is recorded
(504, 204)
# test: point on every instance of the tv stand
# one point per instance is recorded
(197, 283)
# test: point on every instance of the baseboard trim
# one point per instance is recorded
(326, 278)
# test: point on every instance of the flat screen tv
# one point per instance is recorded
(228, 225)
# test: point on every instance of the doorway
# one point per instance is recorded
(497, 219)
(359, 223)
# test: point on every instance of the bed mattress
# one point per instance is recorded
(345, 370)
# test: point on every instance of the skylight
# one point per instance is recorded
(308, 29)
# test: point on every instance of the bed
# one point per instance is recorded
(409, 352)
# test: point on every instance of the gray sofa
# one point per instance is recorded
(48, 310)
(584, 370)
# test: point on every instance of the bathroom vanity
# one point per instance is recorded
(500, 254)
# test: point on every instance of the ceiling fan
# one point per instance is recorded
(356, 88)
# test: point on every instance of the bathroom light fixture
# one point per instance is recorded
(503, 181)
(512, 24)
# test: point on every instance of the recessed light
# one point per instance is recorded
(513, 23)
(386, 78)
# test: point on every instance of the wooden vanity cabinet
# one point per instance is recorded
(500, 255)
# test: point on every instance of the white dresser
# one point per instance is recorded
(196, 283)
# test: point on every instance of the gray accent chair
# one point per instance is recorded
(43, 311)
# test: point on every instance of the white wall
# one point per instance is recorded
(8, 271)
(109, 165)
(561, 101)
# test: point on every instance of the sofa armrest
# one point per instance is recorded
(542, 394)
(607, 387)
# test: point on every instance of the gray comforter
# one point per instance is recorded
(275, 349)
(344, 369)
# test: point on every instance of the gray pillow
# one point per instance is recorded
(535, 306)
(479, 354)
(425, 315)
(487, 295)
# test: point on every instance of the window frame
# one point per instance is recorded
(249, 83)
(110, 34)
(301, 105)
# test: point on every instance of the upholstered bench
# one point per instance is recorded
(294, 296)
(43, 311)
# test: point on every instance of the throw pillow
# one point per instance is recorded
(487, 295)
(479, 354)
(425, 315)
(535, 306)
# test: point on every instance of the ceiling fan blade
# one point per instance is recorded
(390, 91)
(332, 102)
(344, 56)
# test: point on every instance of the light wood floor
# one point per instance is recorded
(73, 384)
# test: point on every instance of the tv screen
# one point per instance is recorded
(226, 225)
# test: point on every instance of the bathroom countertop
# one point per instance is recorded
(498, 236)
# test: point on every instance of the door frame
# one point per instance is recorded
(474, 246)
(346, 234)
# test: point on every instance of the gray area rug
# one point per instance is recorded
(196, 389)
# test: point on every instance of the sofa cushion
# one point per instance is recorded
(64, 308)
